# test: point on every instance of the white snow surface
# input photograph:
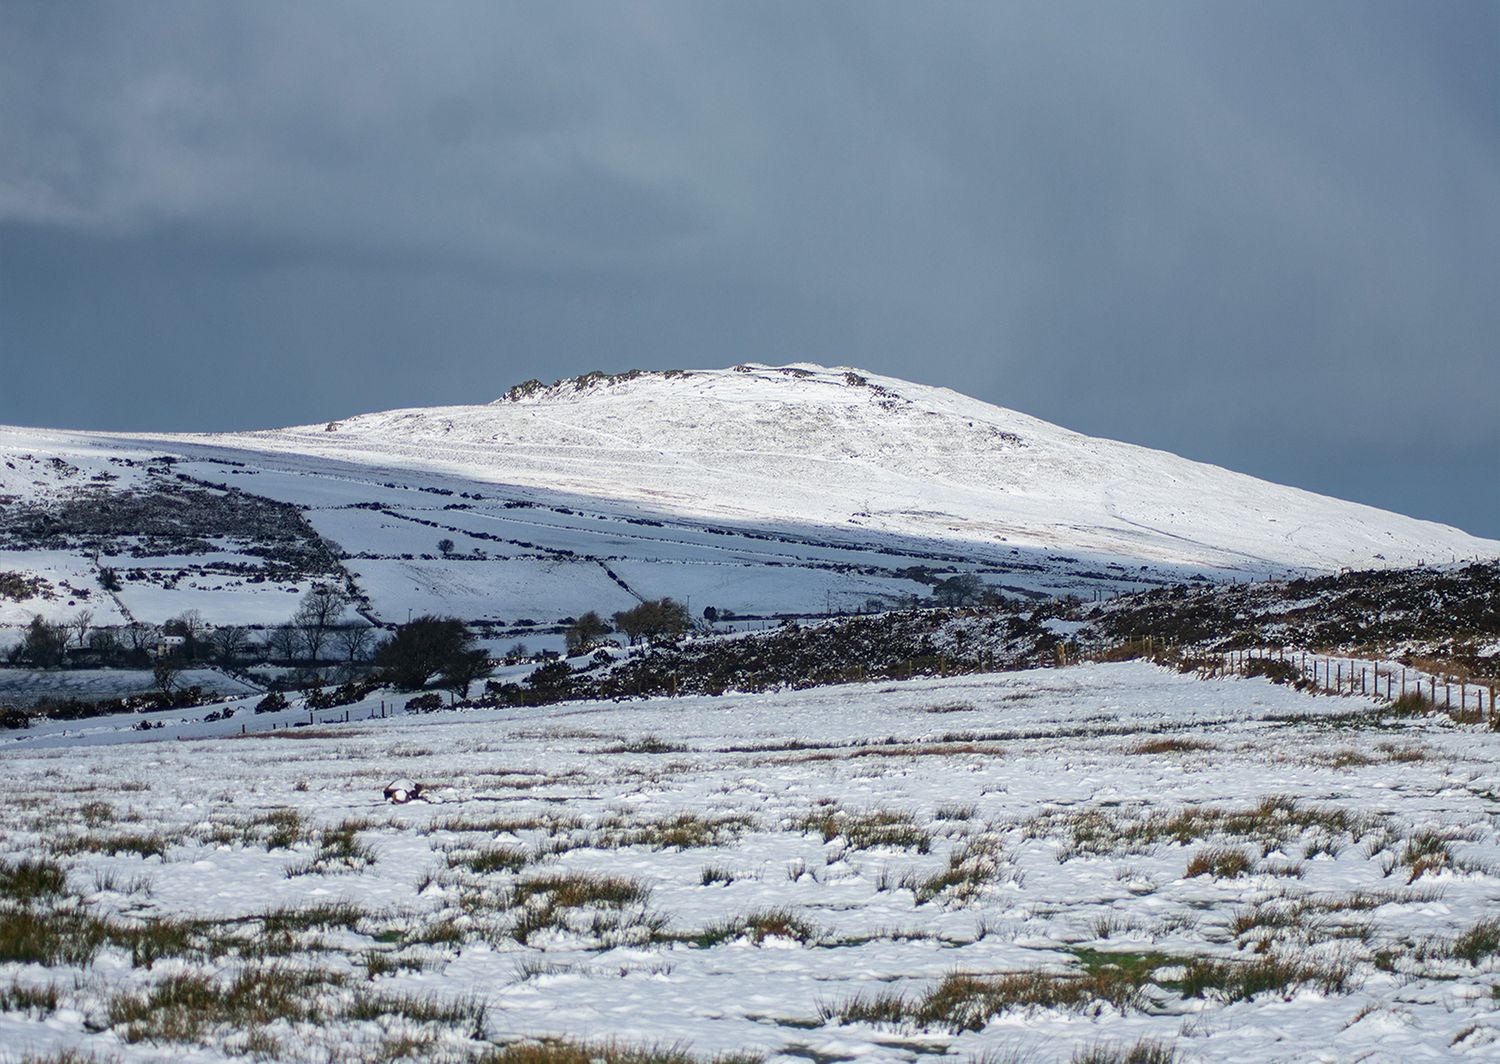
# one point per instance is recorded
(768, 491)
(801, 444)
(1005, 765)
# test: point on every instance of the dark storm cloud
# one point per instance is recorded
(1260, 235)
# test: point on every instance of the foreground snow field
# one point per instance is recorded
(1114, 853)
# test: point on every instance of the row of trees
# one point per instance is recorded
(318, 631)
(649, 622)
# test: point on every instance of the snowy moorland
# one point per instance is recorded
(1033, 865)
(761, 492)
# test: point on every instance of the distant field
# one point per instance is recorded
(1031, 865)
(24, 687)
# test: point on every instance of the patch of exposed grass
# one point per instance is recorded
(1271, 822)
(967, 1002)
(19, 997)
(566, 1052)
(716, 874)
(646, 744)
(1219, 862)
(142, 844)
(52, 938)
(31, 880)
(490, 859)
(955, 811)
(970, 867)
(757, 926)
(465, 1014)
(1237, 980)
(1478, 942)
(288, 921)
(1169, 745)
(868, 829)
(339, 850)
(964, 1001)
(607, 908)
(503, 825)
(1143, 1052)
(680, 831)
(186, 1006)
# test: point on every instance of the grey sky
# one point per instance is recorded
(1263, 235)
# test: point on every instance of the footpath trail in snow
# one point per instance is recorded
(1112, 853)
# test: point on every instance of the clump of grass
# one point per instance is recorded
(18, 997)
(646, 744)
(1478, 942)
(1165, 745)
(550, 902)
(142, 844)
(185, 1006)
(967, 1002)
(339, 849)
(1236, 980)
(970, 867)
(1411, 703)
(503, 825)
(713, 874)
(1220, 862)
(288, 921)
(51, 938)
(378, 962)
(1143, 1052)
(680, 831)
(868, 829)
(562, 1051)
(491, 859)
(955, 811)
(281, 828)
(467, 1014)
(1427, 852)
(31, 880)
(757, 926)
(1272, 822)
(96, 814)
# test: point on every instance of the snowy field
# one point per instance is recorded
(24, 687)
(1029, 866)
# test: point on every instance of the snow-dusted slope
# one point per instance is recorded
(763, 491)
(839, 447)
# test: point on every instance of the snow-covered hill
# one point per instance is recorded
(758, 490)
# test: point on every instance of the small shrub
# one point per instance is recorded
(273, 702)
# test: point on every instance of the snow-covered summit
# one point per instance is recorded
(838, 446)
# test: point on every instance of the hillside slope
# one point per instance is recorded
(838, 447)
(758, 490)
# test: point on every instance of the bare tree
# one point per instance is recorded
(190, 625)
(141, 639)
(80, 623)
(354, 640)
(319, 611)
(230, 642)
(165, 673)
(284, 642)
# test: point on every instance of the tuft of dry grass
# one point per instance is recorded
(31, 880)
(1164, 745)
(1220, 862)
(868, 829)
(562, 1051)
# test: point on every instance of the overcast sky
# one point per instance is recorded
(1262, 235)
